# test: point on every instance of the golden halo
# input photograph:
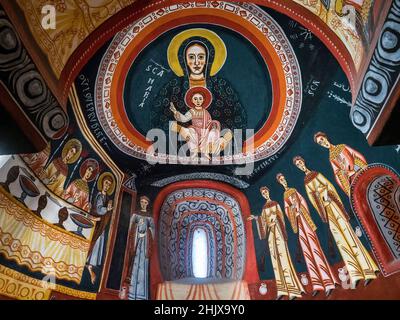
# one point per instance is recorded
(72, 143)
(100, 182)
(215, 40)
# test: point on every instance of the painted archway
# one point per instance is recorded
(375, 199)
(235, 204)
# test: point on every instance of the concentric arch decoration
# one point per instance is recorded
(248, 21)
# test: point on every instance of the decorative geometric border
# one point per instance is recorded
(381, 223)
(21, 287)
(26, 280)
(381, 77)
(229, 218)
(250, 272)
(24, 83)
(373, 234)
(202, 175)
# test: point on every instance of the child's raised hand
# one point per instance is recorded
(172, 107)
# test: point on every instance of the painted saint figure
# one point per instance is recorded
(345, 161)
(77, 192)
(328, 204)
(37, 161)
(196, 56)
(203, 136)
(56, 172)
(102, 209)
(140, 241)
(297, 212)
(271, 225)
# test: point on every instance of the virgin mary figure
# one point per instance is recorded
(196, 56)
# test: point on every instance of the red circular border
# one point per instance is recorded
(277, 82)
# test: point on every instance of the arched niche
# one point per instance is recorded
(184, 211)
(375, 199)
(222, 212)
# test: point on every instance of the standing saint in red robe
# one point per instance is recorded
(296, 209)
(345, 161)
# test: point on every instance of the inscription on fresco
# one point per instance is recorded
(156, 71)
(342, 90)
(312, 87)
(302, 36)
(338, 98)
(342, 86)
(90, 112)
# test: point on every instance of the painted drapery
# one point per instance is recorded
(345, 162)
(141, 239)
(320, 272)
(327, 203)
(272, 224)
(42, 247)
(232, 290)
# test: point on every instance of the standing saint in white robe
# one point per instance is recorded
(271, 225)
(141, 237)
(325, 199)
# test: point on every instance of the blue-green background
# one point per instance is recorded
(244, 68)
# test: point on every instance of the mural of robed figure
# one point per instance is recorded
(140, 240)
(77, 193)
(55, 173)
(296, 209)
(345, 161)
(102, 210)
(271, 225)
(325, 199)
(203, 135)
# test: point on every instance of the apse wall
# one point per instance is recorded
(88, 217)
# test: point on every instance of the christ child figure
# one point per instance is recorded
(203, 135)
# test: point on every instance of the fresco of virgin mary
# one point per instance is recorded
(196, 56)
